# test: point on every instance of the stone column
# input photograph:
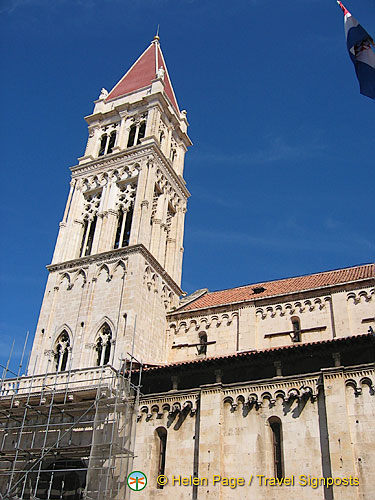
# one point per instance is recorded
(92, 143)
(144, 231)
(210, 442)
(120, 139)
(74, 226)
(179, 245)
(152, 124)
(61, 238)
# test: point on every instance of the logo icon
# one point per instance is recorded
(137, 480)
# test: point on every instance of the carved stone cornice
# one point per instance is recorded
(113, 256)
(167, 405)
(135, 153)
(258, 395)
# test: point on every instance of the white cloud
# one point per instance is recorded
(277, 150)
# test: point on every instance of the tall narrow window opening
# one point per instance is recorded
(137, 130)
(61, 352)
(296, 334)
(111, 142)
(125, 206)
(275, 424)
(162, 445)
(124, 225)
(92, 203)
(119, 227)
(141, 132)
(202, 348)
(90, 238)
(133, 130)
(128, 225)
(85, 226)
(107, 143)
(103, 345)
(103, 144)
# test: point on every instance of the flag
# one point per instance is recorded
(359, 42)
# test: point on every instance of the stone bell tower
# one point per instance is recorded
(116, 269)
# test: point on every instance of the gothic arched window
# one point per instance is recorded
(275, 424)
(124, 225)
(132, 132)
(296, 334)
(141, 132)
(161, 432)
(137, 132)
(92, 203)
(103, 144)
(61, 351)
(103, 345)
(88, 236)
(111, 142)
(107, 143)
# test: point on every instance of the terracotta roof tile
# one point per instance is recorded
(280, 287)
(141, 74)
(245, 354)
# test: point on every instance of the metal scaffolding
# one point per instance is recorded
(68, 435)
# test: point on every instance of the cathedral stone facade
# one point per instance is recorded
(261, 391)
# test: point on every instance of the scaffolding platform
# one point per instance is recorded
(68, 435)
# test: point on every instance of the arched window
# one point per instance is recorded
(92, 203)
(296, 325)
(133, 130)
(136, 133)
(103, 143)
(103, 345)
(161, 433)
(161, 138)
(275, 425)
(141, 132)
(90, 236)
(61, 351)
(84, 240)
(124, 225)
(202, 347)
(111, 142)
(87, 236)
(107, 143)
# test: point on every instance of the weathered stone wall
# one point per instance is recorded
(231, 435)
(117, 291)
(337, 313)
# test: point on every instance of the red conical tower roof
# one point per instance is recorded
(143, 72)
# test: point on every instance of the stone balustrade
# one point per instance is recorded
(73, 380)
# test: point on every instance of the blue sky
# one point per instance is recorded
(282, 168)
